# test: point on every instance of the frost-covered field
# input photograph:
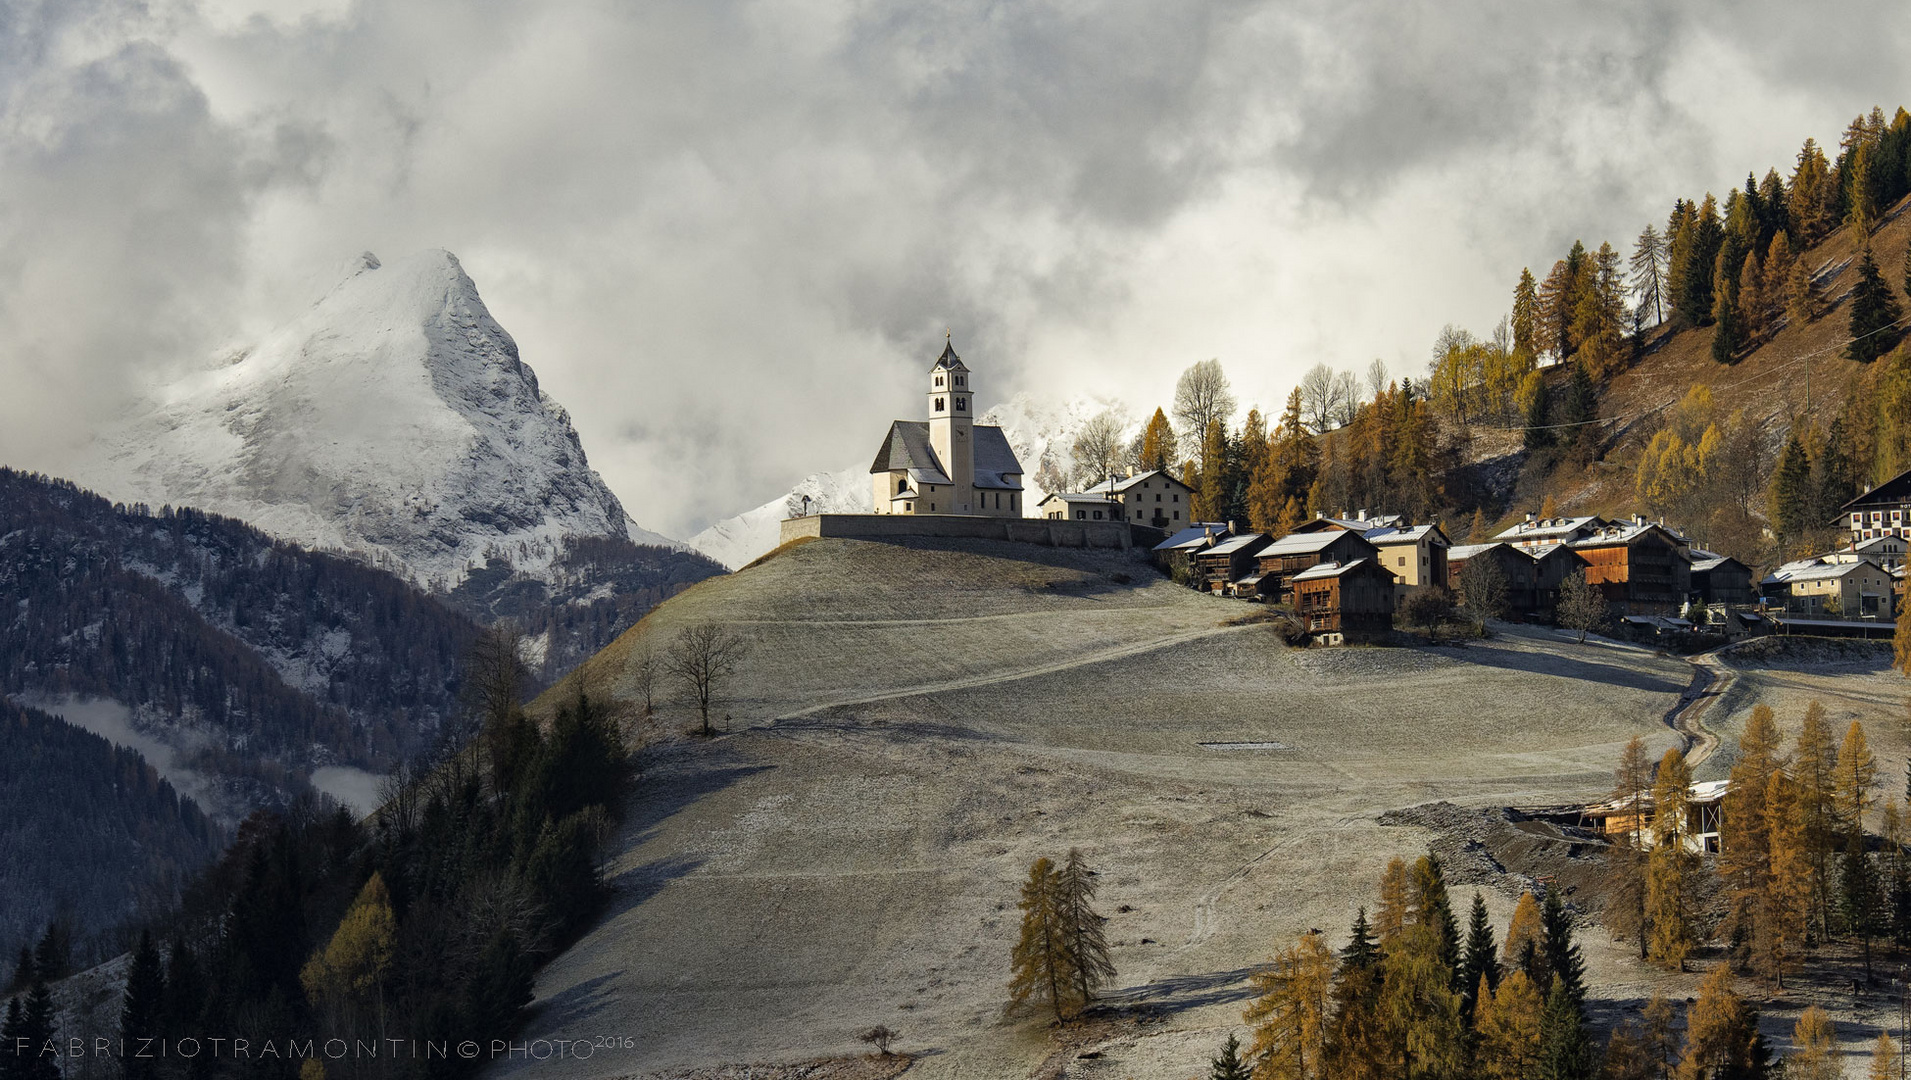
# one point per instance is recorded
(916, 725)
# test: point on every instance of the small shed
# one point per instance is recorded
(1297, 551)
(1343, 602)
(1721, 579)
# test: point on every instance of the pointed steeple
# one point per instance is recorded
(948, 361)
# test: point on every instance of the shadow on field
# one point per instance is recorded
(1182, 992)
(639, 883)
(679, 779)
(581, 1002)
(1566, 667)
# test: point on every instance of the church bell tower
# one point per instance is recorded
(951, 427)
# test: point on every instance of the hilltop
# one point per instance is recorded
(914, 724)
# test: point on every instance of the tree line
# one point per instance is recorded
(424, 922)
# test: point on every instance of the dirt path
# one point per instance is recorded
(1710, 681)
(1099, 656)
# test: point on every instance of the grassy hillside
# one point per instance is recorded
(916, 724)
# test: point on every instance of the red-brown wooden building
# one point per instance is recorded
(1345, 601)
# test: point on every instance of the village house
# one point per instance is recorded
(1078, 507)
(1345, 602)
(1152, 498)
(1853, 589)
(1280, 561)
(1226, 561)
(1883, 511)
(1886, 551)
(948, 464)
(1360, 522)
(1640, 567)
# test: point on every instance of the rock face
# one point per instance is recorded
(393, 420)
(1040, 432)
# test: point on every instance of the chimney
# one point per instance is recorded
(1360, 514)
(1131, 472)
(1232, 528)
(1531, 517)
(1320, 515)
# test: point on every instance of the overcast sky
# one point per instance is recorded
(729, 236)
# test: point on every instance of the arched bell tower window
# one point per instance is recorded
(902, 485)
(962, 404)
(938, 404)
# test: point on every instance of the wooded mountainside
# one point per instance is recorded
(92, 833)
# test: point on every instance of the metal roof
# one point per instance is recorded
(1327, 570)
(1123, 485)
(1234, 544)
(907, 447)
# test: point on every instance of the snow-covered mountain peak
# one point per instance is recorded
(393, 418)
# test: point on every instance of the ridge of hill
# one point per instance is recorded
(915, 722)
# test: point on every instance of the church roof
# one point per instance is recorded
(948, 360)
(907, 447)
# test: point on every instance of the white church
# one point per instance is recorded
(948, 464)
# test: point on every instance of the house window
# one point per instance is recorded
(1177, 515)
(909, 507)
(1177, 496)
(1403, 560)
(1157, 496)
(1081, 515)
(1011, 500)
(932, 508)
(1098, 515)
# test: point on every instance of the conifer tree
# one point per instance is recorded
(1692, 305)
(1039, 968)
(1805, 194)
(1816, 1040)
(1860, 900)
(1480, 964)
(1211, 498)
(1648, 273)
(1082, 929)
(1430, 906)
(1791, 494)
(1418, 1009)
(347, 977)
(1784, 901)
(1720, 1030)
(1362, 950)
(1852, 790)
(142, 1002)
(11, 1031)
(1290, 1013)
(1729, 329)
(1745, 825)
(1391, 917)
(1658, 1036)
(1525, 939)
(1884, 1059)
(1669, 901)
(1563, 962)
(38, 1035)
(1875, 313)
(1157, 444)
(1565, 1046)
(1537, 432)
(1228, 1064)
(1507, 1025)
(1897, 877)
(1632, 786)
(1526, 338)
(22, 970)
(1815, 772)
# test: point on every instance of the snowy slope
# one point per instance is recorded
(393, 420)
(1037, 430)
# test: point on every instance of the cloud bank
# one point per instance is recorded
(729, 235)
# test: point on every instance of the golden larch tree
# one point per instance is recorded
(1815, 770)
(1816, 1041)
(1884, 1059)
(1632, 786)
(1525, 938)
(1784, 900)
(1507, 1028)
(1391, 916)
(346, 979)
(1290, 1013)
(1039, 968)
(1718, 1030)
(1857, 777)
(1669, 868)
(1745, 825)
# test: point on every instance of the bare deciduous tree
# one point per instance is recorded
(643, 669)
(1376, 377)
(702, 659)
(1317, 398)
(1201, 397)
(1346, 398)
(1581, 607)
(1097, 449)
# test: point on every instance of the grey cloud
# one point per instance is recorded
(729, 235)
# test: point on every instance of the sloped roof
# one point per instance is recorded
(948, 361)
(1892, 491)
(1196, 533)
(1403, 534)
(1094, 498)
(907, 447)
(1300, 543)
(1352, 524)
(1553, 528)
(1123, 485)
(1467, 551)
(1815, 571)
(1334, 570)
(1626, 532)
(1235, 543)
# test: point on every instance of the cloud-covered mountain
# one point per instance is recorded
(1040, 431)
(393, 420)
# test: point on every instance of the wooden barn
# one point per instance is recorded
(1344, 602)
(1515, 566)
(1721, 579)
(1219, 566)
(1640, 567)
(1552, 565)
(1298, 551)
